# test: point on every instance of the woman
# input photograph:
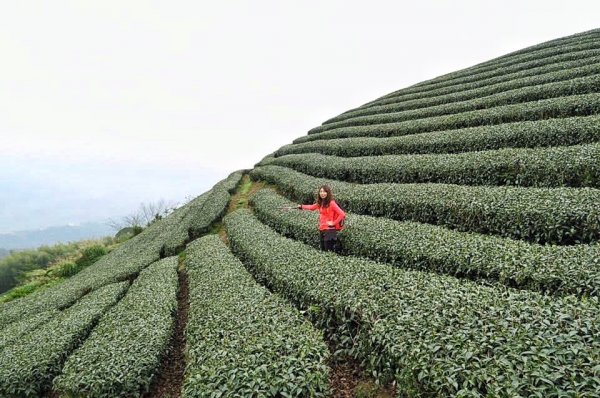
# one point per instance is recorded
(330, 218)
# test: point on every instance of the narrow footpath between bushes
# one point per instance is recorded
(170, 373)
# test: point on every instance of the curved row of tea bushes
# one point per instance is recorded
(541, 215)
(539, 133)
(28, 366)
(179, 236)
(491, 70)
(126, 348)
(242, 340)
(202, 213)
(13, 332)
(435, 335)
(547, 74)
(551, 269)
(570, 166)
(576, 105)
(120, 264)
(574, 38)
(507, 61)
(215, 205)
(577, 86)
(528, 69)
(123, 263)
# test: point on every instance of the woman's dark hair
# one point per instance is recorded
(324, 202)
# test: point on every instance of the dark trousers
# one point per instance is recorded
(329, 241)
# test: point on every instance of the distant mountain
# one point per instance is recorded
(52, 235)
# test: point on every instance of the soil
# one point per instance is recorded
(170, 374)
(347, 380)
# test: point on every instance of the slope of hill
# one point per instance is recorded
(469, 265)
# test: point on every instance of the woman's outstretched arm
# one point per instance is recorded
(308, 207)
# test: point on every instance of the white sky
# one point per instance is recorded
(106, 104)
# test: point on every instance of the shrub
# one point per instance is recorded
(433, 334)
(540, 215)
(575, 105)
(532, 77)
(550, 269)
(126, 348)
(571, 166)
(241, 339)
(28, 366)
(580, 85)
(531, 134)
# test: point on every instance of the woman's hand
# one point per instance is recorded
(299, 207)
(330, 223)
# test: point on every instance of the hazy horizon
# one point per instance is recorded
(111, 104)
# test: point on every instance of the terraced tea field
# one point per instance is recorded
(469, 264)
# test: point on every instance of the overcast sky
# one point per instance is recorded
(107, 104)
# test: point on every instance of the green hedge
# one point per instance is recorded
(576, 105)
(569, 166)
(123, 263)
(551, 132)
(243, 341)
(215, 206)
(435, 335)
(542, 215)
(13, 332)
(551, 269)
(28, 366)
(546, 74)
(478, 99)
(202, 214)
(491, 70)
(126, 348)
(179, 236)
(580, 85)
(119, 265)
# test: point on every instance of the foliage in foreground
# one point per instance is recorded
(242, 340)
(434, 335)
(126, 348)
(28, 366)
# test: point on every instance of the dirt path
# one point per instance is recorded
(170, 374)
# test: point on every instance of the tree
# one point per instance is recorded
(144, 216)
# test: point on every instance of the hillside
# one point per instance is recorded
(468, 266)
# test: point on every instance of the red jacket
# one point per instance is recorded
(331, 213)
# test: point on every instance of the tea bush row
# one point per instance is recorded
(241, 339)
(530, 134)
(122, 355)
(576, 105)
(120, 264)
(494, 70)
(579, 85)
(548, 269)
(435, 335)
(13, 332)
(546, 74)
(541, 215)
(569, 166)
(511, 60)
(28, 366)
(125, 262)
